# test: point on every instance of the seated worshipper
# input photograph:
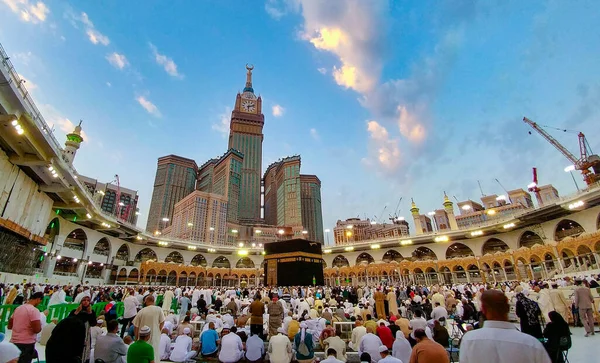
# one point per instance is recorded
(331, 357)
(403, 324)
(529, 314)
(357, 333)
(303, 342)
(9, 352)
(242, 320)
(232, 348)
(385, 334)
(335, 342)
(370, 343)
(556, 330)
(228, 319)
(369, 322)
(329, 331)
(141, 351)
(95, 332)
(365, 358)
(165, 344)
(47, 331)
(182, 349)
(439, 312)
(427, 351)
(255, 349)
(293, 327)
(186, 324)
(384, 353)
(280, 348)
(110, 347)
(209, 341)
(440, 334)
(286, 320)
(172, 318)
(401, 348)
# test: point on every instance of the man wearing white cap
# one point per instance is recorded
(96, 331)
(182, 350)
(280, 348)
(232, 348)
(151, 316)
(384, 352)
(140, 351)
(370, 343)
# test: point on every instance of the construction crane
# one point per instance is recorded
(118, 197)
(583, 163)
(533, 187)
(394, 217)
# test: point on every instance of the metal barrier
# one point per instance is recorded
(6, 312)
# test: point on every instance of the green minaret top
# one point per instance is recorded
(414, 210)
(75, 136)
(447, 202)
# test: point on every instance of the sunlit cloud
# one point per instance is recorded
(315, 134)
(29, 12)
(167, 63)
(278, 111)
(322, 70)
(148, 106)
(384, 151)
(28, 83)
(59, 123)
(117, 60)
(93, 34)
(222, 125)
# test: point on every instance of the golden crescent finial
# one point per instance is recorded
(249, 66)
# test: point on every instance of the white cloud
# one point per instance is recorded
(23, 58)
(95, 36)
(117, 60)
(322, 70)
(108, 84)
(384, 151)
(29, 12)
(351, 31)
(28, 83)
(315, 134)
(148, 106)
(275, 9)
(222, 126)
(167, 63)
(278, 111)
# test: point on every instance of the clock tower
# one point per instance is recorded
(245, 135)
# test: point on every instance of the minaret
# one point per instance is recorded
(72, 144)
(448, 207)
(416, 219)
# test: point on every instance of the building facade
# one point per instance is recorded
(200, 217)
(312, 213)
(106, 195)
(246, 136)
(283, 206)
(175, 179)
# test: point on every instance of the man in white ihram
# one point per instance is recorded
(499, 341)
(182, 350)
(232, 348)
(280, 348)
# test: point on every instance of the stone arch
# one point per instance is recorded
(134, 275)
(175, 257)
(494, 245)
(123, 253)
(52, 230)
(424, 253)
(145, 255)
(392, 255)
(245, 262)
(151, 276)
(583, 250)
(364, 258)
(340, 261)
(597, 246)
(102, 247)
(172, 278)
(567, 228)
(183, 279)
(529, 238)
(76, 240)
(199, 260)
(221, 261)
(458, 250)
(122, 276)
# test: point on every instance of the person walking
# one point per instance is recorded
(529, 314)
(257, 309)
(153, 318)
(25, 324)
(585, 303)
(130, 305)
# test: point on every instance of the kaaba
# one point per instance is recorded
(295, 262)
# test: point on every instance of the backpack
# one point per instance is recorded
(303, 349)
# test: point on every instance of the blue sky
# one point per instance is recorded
(382, 99)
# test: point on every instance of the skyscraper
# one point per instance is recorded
(175, 179)
(226, 181)
(312, 216)
(283, 205)
(246, 136)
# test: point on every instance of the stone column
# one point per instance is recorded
(48, 266)
(504, 273)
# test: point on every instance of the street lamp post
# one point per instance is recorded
(569, 169)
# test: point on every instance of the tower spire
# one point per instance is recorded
(248, 88)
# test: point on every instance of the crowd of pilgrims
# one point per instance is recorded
(407, 324)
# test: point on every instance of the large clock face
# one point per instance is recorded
(248, 106)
